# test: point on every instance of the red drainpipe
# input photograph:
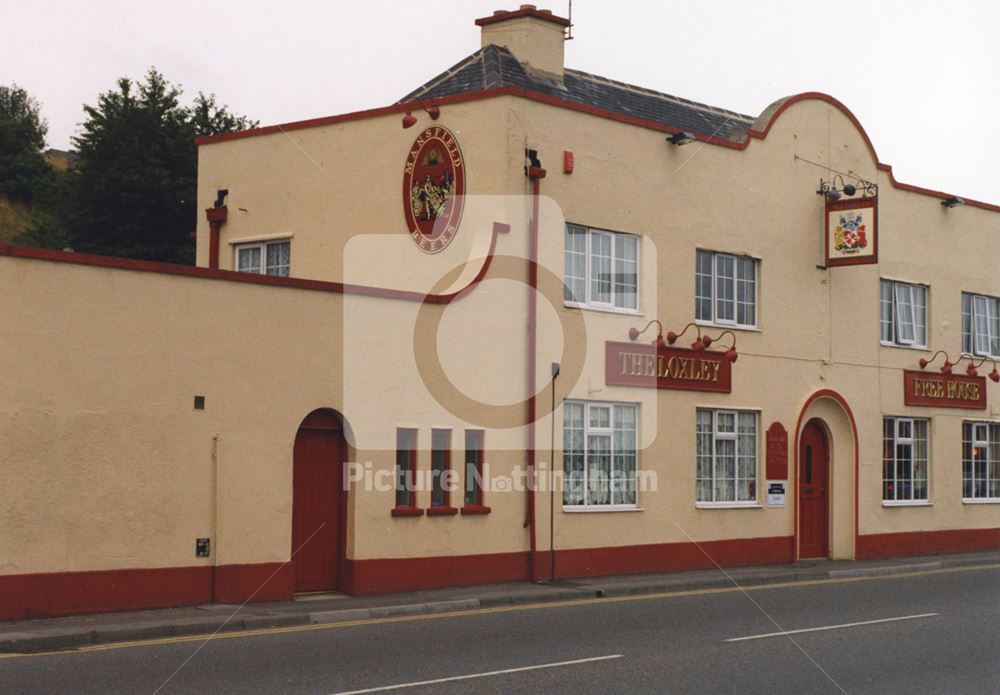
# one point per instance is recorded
(535, 174)
(216, 218)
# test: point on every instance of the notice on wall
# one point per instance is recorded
(775, 493)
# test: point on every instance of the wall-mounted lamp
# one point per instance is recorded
(952, 201)
(409, 120)
(700, 344)
(945, 368)
(829, 189)
(681, 138)
(972, 370)
(634, 333)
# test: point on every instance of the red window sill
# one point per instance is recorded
(475, 509)
(441, 511)
(407, 511)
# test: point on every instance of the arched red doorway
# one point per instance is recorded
(319, 502)
(814, 491)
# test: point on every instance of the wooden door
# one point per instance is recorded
(317, 500)
(814, 508)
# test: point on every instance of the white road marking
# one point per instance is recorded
(480, 675)
(831, 627)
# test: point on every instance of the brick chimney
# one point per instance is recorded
(534, 36)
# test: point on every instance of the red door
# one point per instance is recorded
(317, 500)
(814, 464)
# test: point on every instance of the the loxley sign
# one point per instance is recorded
(632, 364)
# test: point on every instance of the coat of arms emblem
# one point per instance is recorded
(433, 186)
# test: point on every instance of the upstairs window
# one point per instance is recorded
(903, 313)
(266, 258)
(980, 325)
(725, 289)
(602, 269)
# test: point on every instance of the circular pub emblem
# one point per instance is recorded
(433, 186)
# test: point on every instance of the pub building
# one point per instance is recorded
(739, 337)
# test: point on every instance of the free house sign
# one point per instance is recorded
(433, 189)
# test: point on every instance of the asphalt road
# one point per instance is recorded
(940, 634)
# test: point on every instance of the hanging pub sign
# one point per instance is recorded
(642, 364)
(944, 390)
(433, 189)
(851, 231)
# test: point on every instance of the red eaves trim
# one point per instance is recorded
(503, 16)
(251, 278)
(752, 134)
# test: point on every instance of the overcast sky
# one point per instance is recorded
(921, 76)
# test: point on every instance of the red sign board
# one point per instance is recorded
(777, 452)
(944, 390)
(641, 364)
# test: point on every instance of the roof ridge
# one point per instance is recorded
(663, 95)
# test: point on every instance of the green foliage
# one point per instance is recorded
(23, 170)
(133, 187)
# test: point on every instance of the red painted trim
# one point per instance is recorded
(879, 545)
(383, 576)
(536, 571)
(673, 557)
(473, 509)
(442, 511)
(270, 581)
(825, 393)
(73, 593)
(752, 134)
(525, 11)
(406, 511)
(216, 218)
(251, 278)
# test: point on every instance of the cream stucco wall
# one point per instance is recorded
(114, 468)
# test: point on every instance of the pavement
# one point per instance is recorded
(53, 634)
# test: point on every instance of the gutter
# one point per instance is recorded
(535, 174)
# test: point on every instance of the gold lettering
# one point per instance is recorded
(624, 363)
(715, 371)
(650, 362)
(973, 392)
(673, 368)
(661, 370)
(636, 364)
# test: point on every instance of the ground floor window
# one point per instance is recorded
(599, 454)
(473, 467)
(726, 456)
(904, 459)
(981, 461)
(406, 468)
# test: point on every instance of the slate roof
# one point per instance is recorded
(495, 66)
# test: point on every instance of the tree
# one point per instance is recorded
(133, 186)
(23, 170)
